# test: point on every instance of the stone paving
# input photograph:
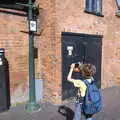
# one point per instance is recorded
(110, 111)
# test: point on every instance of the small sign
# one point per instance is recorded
(33, 26)
(70, 49)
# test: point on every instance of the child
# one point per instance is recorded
(81, 91)
(87, 70)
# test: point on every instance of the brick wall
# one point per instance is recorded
(47, 51)
(15, 43)
(71, 18)
(57, 16)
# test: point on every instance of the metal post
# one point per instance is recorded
(31, 105)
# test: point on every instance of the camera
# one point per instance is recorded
(77, 67)
(78, 64)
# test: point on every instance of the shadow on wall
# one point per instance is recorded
(67, 112)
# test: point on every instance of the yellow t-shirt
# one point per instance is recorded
(81, 85)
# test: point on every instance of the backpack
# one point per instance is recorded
(92, 100)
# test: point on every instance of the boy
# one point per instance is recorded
(87, 70)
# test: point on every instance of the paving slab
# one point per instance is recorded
(110, 111)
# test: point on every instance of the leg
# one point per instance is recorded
(77, 111)
(88, 117)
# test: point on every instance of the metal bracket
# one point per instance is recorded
(35, 7)
(28, 5)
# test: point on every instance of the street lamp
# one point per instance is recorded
(31, 105)
(118, 5)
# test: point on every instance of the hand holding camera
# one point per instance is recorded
(72, 65)
(76, 66)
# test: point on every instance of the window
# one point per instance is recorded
(118, 6)
(94, 7)
(118, 3)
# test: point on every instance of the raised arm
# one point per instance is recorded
(77, 82)
(69, 78)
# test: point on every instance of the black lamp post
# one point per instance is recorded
(118, 5)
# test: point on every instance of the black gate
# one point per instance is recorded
(76, 48)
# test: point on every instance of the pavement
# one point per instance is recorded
(110, 111)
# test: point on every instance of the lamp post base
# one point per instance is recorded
(32, 107)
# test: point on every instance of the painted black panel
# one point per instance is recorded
(86, 48)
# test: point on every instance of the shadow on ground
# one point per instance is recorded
(110, 110)
(63, 113)
(111, 104)
(67, 112)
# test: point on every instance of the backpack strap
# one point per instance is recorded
(86, 82)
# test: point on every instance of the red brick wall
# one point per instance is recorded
(58, 16)
(47, 51)
(71, 18)
(15, 43)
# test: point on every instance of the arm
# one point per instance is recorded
(69, 78)
(77, 82)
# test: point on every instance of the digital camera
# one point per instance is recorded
(78, 64)
(77, 67)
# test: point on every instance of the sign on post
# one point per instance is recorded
(33, 26)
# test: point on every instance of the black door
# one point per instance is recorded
(79, 48)
(4, 82)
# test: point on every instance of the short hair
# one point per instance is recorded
(89, 70)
